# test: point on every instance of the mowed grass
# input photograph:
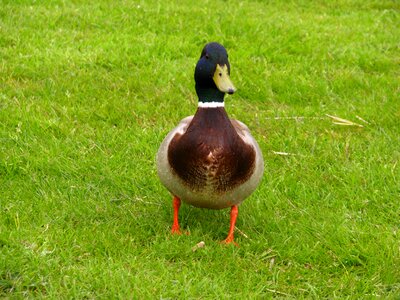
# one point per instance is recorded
(88, 90)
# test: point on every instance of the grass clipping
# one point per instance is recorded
(343, 122)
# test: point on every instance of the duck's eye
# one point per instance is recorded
(220, 74)
(207, 57)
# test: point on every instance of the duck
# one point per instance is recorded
(209, 160)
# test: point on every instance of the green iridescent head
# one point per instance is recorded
(212, 74)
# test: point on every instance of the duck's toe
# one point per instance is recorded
(229, 241)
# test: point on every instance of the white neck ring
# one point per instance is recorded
(211, 104)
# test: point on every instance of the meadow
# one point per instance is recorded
(88, 90)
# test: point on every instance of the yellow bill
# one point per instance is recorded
(222, 80)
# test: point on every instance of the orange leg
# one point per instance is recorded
(176, 203)
(229, 238)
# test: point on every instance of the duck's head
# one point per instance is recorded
(212, 74)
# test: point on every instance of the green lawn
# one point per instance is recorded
(88, 90)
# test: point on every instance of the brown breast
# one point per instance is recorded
(210, 154)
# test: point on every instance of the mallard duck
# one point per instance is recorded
(209, 160)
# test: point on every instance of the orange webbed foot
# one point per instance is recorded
(176, 230)
(229, 241)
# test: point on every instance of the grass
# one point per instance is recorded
(88, 90)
